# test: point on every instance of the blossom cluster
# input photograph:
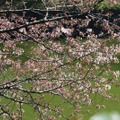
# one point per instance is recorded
(85, 26)
(69, 69)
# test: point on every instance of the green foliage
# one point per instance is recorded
(102, 5)
(105, 5)
(20, 4)
(115, 6)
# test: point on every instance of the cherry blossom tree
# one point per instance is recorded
(45, 63)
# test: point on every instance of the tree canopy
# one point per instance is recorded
(56, 56)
